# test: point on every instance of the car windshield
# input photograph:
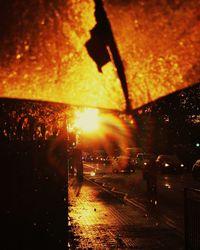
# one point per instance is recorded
(86, 88)
(148, 156)
(171, 158)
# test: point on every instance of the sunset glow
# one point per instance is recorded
(87, 120)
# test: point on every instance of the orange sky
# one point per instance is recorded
(158, 44)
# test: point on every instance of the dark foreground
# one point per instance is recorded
(33, 210)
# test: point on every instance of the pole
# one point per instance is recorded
(107, 34)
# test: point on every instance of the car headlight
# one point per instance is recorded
(182, 165)
(166, 165)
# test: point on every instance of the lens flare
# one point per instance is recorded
(92, 173)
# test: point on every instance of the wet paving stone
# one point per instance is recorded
(100, 221)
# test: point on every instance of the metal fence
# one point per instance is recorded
(192, 218)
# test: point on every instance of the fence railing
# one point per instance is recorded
(192, 218)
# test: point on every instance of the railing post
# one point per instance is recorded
(186, 218)
(192, 218)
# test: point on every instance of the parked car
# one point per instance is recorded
(169, 164)
(196, 170)
(142, 159)
(123, 164)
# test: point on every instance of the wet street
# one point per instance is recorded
(100, 220)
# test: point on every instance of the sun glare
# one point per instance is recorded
(87, 120)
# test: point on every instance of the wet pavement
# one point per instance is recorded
(98, 220)
(170, 193)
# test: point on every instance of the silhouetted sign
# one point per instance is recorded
(96, 48)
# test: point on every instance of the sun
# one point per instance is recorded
(87, 120)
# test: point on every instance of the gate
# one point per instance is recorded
(192, 218)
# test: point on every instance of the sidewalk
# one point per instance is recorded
(101, 221)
